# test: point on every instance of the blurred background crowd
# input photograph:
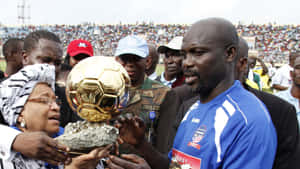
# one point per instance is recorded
(272, 42)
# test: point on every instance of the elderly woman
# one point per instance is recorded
(28, 103)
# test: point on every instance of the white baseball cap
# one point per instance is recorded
(174, 44)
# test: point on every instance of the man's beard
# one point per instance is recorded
(205, 87)
(202, 88)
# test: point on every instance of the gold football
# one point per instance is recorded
(97, 88)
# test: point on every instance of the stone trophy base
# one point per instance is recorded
(83, 136)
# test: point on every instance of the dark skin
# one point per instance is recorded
(173, 64)
(242, 64)
(252, 63)
(38, 144)
(151, 60)
(127, 161)
(209, 54)
(46, 51)
(135, 67)
(77, 58)
(292, 58)
(132, 131)
(295, 74)
(14, 61)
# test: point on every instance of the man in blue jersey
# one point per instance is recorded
(227, 127)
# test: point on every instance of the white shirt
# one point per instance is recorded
(272, 71)
(287, 96)
(6, 141)
(166, 82)
(153, 76)
(282, 76)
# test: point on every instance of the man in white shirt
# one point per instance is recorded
(292, 94)
(173, 56)
(282, 79)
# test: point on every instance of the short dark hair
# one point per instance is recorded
(33, 38)
(65, 67)
(11, 46)
(67, 59)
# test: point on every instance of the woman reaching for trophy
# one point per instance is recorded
(29, 104)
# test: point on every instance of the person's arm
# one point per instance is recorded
(38, 145)
(277, 80)
(279, 87)
(90, 160)
(132, 131)
(127, 161)
(263, 65)
(6, 142)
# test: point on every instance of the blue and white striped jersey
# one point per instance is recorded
(233, 131)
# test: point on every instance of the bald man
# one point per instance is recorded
(223, 129)
(151, 62)
(282, 113)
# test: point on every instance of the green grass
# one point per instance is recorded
(159, 69)
(2, 65)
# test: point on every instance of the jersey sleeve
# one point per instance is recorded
(253, 146)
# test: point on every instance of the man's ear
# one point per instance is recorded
(243, 64)
(148, 62)
(231, 53)
(25, 59)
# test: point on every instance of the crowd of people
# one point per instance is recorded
(272, 41)
(212, 107)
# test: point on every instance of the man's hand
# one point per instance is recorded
(89, 161)
(131, 130)
(128, 161)
(40, 146)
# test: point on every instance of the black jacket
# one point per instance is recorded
(284, 118)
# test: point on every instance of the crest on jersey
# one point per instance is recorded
(198, 136)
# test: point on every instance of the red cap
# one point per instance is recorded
(80, 46)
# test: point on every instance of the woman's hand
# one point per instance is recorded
(89, 161)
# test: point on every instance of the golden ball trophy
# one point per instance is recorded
(97, 90)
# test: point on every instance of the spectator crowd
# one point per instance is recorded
(271, 41)
(219, 99)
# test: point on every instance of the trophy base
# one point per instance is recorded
(82, 136)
